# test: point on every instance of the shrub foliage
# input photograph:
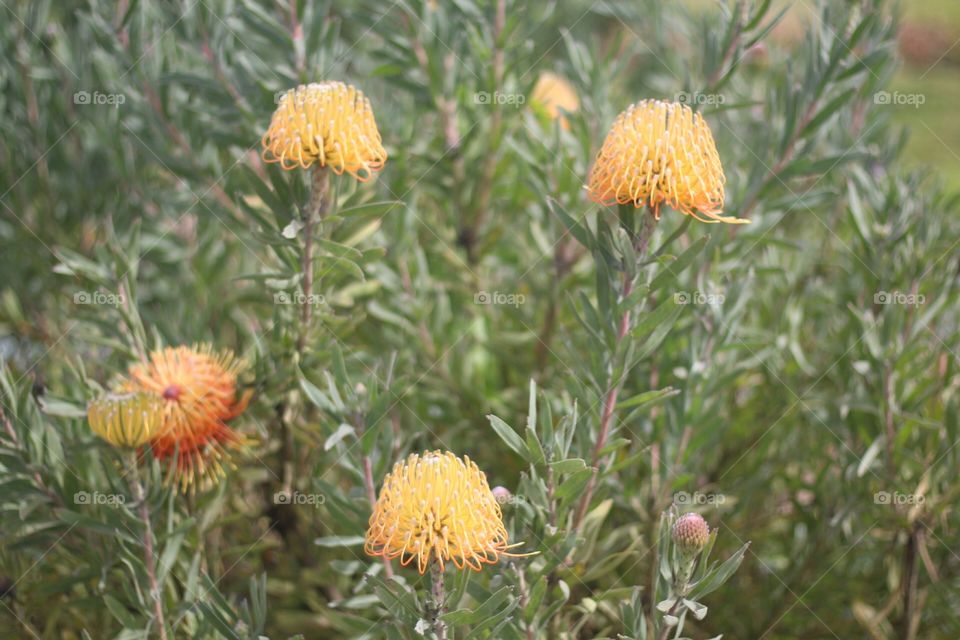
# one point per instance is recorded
(793, 380)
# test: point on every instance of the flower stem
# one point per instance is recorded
(316, 210)
(437, 596)
(665, 632)
(139, 496)
(681, 586)
(683, 578)
(485, 183)
(613, 386)
(370, 486)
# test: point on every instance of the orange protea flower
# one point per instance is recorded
(437, 506)
(554, 95)
(126, 420)
(199, 392)
(330, 123)
(660, 152)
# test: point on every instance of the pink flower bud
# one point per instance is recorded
(502, 494)
(691, 533)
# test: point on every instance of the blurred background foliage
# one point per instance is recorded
(794, 380)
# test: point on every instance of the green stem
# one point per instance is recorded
(139, 497)
(681, 587)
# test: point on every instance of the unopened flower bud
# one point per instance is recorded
(502, 494)
(691, 533)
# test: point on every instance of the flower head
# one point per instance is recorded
(691, 534)
(198, 389)
(126, 420)
(437, 506)
(330, 123)
(555, 95)
(660, 152)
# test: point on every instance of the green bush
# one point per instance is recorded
(793, 380)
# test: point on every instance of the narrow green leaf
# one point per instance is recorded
(670, 271)
(509, 437)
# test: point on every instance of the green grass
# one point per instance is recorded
(938, 11)
(934, 127)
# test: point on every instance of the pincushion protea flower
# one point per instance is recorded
(329, 123)
(198, 388)
(436, 506)
(690, 533)
(126, 420)
(661, 152)
(555, 95)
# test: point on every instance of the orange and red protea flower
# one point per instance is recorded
(198, 389)
(555, 96)
(661, 152)
(437, 507)
(126, 420)
(328, 123)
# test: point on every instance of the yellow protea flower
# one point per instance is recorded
(436, 506)
(126, 420)
(330, 123)
(555, 95)
(661, 152)
(198, 391)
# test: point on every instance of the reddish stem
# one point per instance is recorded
(614, 385)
